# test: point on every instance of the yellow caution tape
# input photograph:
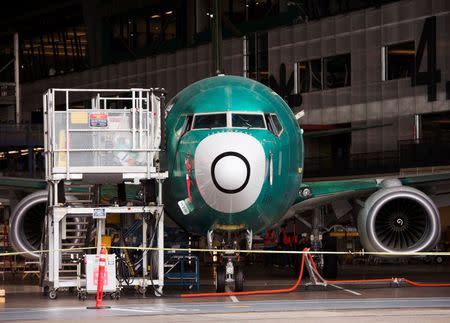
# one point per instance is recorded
(296, 252)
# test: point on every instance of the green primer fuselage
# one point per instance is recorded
(283, 153)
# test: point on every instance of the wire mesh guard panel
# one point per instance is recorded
(101, 138)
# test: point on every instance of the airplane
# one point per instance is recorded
(235, 153)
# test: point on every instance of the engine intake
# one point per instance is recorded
(399, 219)
(27, 223)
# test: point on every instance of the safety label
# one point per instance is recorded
(98, 120)
(99, 213)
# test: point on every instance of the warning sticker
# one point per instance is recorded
(78, 117)
(98, 120)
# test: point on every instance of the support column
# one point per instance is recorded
(17, 78)
(217, 37)
(417, 127)
(160, 239)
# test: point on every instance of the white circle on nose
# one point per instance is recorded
(230, 172)
(235, 187)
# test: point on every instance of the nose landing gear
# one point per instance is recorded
(228, 274)
(227, 270)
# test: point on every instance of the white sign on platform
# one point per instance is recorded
(110, 282)
(99, 213)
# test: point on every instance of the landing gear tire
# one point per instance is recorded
(238, 279)
(220, 279)
(330, 261)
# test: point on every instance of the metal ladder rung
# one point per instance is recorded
(73, 244)
(74, 237)
(79, 193)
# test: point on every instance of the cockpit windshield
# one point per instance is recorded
(209, 121)
(247, 120)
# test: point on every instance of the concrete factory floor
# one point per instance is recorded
(335, 303)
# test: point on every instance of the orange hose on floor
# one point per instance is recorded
(416, 284)
(299, 279)
(406, 280)
(256, 292)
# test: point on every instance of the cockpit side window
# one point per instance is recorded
(277, 124)
(184, 125)
(269, 123)
(273, 124)
(247, 120)
(209, 121)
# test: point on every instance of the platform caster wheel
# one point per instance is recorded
(238, 279)
(52, 294)
(220, 279)
(141, 290)
(82, 296)
(115, 296)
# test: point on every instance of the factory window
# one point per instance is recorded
(398, 60)
(321, 74)
(150, 28)
(304, 76)
(316, 74)
(337, 71)
(52, 53)
(246, 120)
(310, 75)
(209, 121)
(257, 62)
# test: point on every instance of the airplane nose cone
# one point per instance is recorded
(230, 172)
(230, 168)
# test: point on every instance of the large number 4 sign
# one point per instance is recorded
(432, 76)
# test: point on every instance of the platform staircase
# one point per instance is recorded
(78, 230)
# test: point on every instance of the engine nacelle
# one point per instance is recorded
(399, 219)
(26, 224)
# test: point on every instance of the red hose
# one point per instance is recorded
(406, 280)
(299, 279)
(413, 283)
(256, 292)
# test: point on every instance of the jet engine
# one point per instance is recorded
(27, 223)
(399, 219)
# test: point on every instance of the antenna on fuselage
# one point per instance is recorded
(300, 115)
(217, 37)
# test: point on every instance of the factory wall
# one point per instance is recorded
(369, 100)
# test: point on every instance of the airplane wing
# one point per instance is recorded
(23, 183)
(324, 192)
(33, 184)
